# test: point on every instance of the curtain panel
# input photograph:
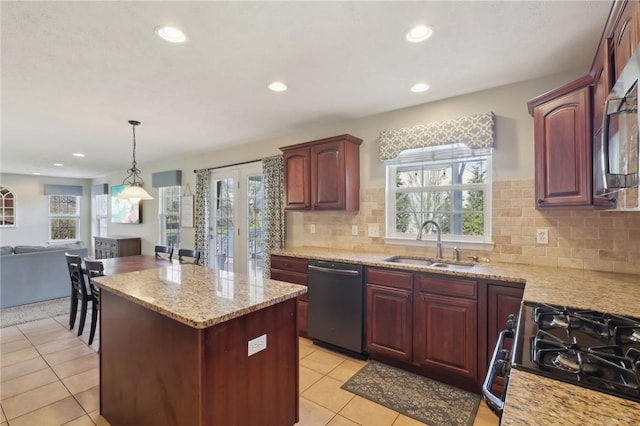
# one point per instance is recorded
(273, 177)
(475, 131)
(202, 215)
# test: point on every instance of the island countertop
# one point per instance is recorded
(197, 296)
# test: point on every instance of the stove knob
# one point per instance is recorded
(502, 367)
(511, 322)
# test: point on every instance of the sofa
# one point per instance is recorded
(30, 274)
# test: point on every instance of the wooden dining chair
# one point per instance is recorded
(78, 291)
(193, 254)
(94, 268)
(164, 252)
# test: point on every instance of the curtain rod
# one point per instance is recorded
(229, 165)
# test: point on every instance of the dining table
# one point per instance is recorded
(121, 265)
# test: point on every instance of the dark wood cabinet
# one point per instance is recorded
(294, 270)
(625, 36)
(562, 133)
(446, 326)
(108, 247)
(323, 174)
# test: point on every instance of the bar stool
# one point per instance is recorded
(94, 268)
(78, 291)
(164, 252)
(193, 254)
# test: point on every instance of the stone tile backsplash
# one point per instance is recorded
(579, 238)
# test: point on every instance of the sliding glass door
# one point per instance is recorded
(237, 219)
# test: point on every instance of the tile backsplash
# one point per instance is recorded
(579, 238)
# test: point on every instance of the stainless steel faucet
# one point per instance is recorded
(438, 236)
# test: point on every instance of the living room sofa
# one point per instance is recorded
(30, 274)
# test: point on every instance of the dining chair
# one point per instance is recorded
(193, 254)
(78, 291)
(94, 268)
(164, 252)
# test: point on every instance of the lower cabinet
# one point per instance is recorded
(294, 270)
(390, 313)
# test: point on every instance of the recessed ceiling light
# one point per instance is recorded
(36, 173)
(78, 154)
(172, 34)
(420, 87)
(419, 33)
(58, 164)
(277, 86)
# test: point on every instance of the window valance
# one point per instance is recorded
(169, 178)
(475, 131)
(62, 190)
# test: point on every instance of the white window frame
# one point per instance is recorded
(98, 231)
(6, 191)
(72, 216)
(163, 193)
(449, 240)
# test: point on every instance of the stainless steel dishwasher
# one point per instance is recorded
(336, 305)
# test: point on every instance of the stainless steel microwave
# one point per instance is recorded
(616, 158)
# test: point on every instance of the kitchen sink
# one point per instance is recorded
(424, 261)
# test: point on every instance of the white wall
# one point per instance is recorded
(32, 209)
(513, 157)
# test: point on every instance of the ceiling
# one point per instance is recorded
(74, 73)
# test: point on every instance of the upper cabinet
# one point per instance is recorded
(562, 128)
(323, 174)
(625, 35)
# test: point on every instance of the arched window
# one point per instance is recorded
(7, 207)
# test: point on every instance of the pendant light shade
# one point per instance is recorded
(135, 192)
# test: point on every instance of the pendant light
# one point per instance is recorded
(135, 192)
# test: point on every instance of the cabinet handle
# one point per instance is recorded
(540, 201)
(612, 200)
(408, 296)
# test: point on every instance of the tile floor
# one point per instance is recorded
(49, 376)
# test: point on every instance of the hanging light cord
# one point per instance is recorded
(133, 171)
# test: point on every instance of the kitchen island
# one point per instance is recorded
(184, 344)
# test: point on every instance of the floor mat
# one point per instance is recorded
(34, 311)
(423, 399)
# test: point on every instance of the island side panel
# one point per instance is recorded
(257, 389)
(149, 366)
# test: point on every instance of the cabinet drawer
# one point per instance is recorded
(292, 264)
(448, 286)
(389, 278)
(288, 276)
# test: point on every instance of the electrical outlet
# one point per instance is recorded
(542, 236)
(373, 230)
(256, 345)
(354, 230)
(312, 228)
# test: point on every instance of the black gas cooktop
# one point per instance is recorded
(592, 349)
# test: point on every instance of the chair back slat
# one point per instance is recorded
(164, 252)
(95, 268)
(74, 263)
(193, 254)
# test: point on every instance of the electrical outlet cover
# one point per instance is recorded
(542, 236)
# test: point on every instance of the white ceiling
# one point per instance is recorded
(73, 73)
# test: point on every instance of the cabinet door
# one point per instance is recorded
(328, 176)
(389, 322)
(563, 150)
(445, 335)
(625, 38)
(297, 179)
(303, 318)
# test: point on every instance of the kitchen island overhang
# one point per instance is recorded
(175, 346)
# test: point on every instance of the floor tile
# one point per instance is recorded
(306, 350)
(34, 399)
(15, 345)
(26, 383)
(485, 417)
(65, 355)
(21, 368)
(9, 334)
(307, 378)
(35, 326)
(77, 365)
(89, 399)
(83, 381)
(327, 393)
(322, 361)
(311, 414)
(347, 369)
(2, 416)
(98, 419)
(403, 420)
(18, 356)
(57, 413)
(48, 336)
(80, 421)
(365, 412)
(338, 420)
(59, 344)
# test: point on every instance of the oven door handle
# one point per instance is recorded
(495, 404)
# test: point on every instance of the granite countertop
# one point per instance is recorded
(533, 399)
(196, 296)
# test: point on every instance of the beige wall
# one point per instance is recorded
(513, 164)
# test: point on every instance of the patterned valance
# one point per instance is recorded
(475, 131)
